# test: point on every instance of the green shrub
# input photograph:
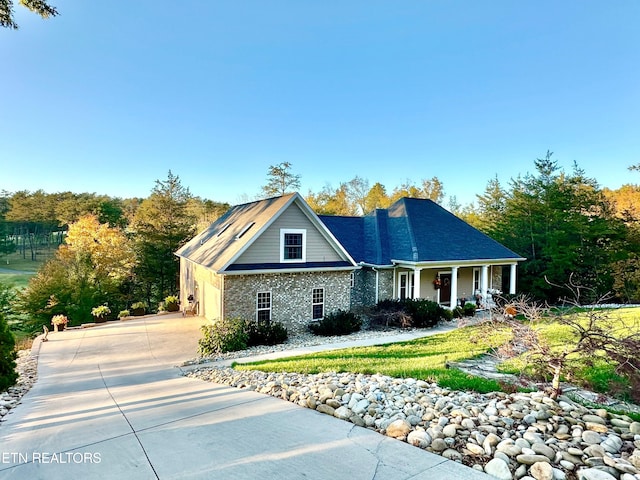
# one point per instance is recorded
(458, 312)
(8, 375)
(469, 309)
(226, 335)
(339, 322)
(124, 313)
(419, 313)
(424, 313)
(447, 314)
(265, 333)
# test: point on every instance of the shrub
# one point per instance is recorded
(265, 333)
(226, 335)
(424, 313)
(340, 322)
(124, 313)
(419, 313)
(469, 309)
(8, 375)
(458, 312)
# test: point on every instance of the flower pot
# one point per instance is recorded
(59, 328)
(172, 307)
(99, 319)
(137, 312)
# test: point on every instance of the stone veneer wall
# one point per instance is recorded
(363, 293)
(291, 295)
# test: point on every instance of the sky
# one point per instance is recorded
(109, 96)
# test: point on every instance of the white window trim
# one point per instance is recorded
(264, 309)
(410, 283)
(313, 304)
(302, 231)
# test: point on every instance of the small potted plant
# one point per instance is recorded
(171, 303)
(59, 322)
(100, 313)
(123, 314)
(138, 309)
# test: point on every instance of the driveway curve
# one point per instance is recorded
(110, 403)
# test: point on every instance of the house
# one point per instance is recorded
(276, 260)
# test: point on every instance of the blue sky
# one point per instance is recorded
(107, 98)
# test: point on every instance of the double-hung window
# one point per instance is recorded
(263, 303)
(293, 246)
(318, 303)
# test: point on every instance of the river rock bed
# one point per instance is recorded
(27, 368)
(509, 436)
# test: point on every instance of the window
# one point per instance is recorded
(476, 280)
(293, 245)
(263, 314)
(352, 279)
(318, 303)
(405, 285)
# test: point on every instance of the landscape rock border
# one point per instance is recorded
(511, 436)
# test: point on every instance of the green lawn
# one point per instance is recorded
(426, 358)
(423, 359)
(593, 371)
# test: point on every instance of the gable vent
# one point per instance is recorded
(245, 230)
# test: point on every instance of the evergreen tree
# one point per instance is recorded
(161, 225)
(8, 375)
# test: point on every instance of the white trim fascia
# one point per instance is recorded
(459, 263)
(373, 265)
(287, 270)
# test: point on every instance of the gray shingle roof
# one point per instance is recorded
(413, 230)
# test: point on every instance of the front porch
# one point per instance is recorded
(447, 284)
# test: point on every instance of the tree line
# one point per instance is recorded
(119, 251)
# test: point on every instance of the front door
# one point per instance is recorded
(445, 288)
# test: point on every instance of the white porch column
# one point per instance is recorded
(512, 279)
(416, 282)
(484, 281)
(454, 287)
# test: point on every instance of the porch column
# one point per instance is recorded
(454, 287)
(484, 282)
(512, 279)
(416, 282)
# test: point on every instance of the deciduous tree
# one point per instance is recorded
(42, 8)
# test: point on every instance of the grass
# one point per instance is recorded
(426, 358)
(423, 359)
(20, 280)
(592, 372)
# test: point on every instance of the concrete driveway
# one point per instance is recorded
(110, 403)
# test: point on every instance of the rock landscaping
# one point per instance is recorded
(509, 436)
(27, 368)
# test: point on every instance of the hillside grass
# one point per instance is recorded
(424, 359)
(594, 372)
(427, 358)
